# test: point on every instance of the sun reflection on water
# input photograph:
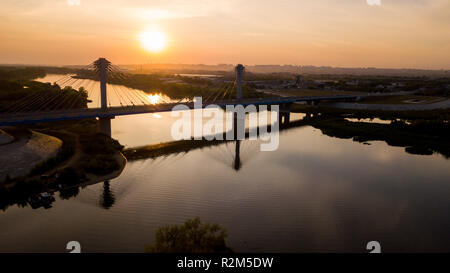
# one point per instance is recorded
(154, 98)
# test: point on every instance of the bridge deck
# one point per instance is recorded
(8, 119)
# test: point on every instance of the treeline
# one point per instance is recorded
(18, 93)
(187, 87)
(36, 96)
(420, 85)
(21, 74)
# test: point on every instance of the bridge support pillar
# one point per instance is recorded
(284, 116)
(105, 126)
(102, 65)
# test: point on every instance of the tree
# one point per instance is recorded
(191, 237)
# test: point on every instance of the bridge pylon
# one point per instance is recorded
(102, 65)
(239, 73)
(238, 122)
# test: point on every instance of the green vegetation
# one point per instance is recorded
(42, 96)
(420, 137)
(98, 150)
(428, 86)
(167, 148)
(21, 73)
(99, 153)
(17, 84)
(191, 237)
(187, 87)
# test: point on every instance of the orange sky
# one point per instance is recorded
(349, 33)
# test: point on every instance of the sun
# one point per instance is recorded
(153, 41)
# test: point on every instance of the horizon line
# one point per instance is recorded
(229, 64)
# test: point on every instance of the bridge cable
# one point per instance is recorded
(133, 92)
(217, 91)
(18, 104)
(64, 100)
(228, 87)
(220, 92)
(119, 97)
(123, 95)
(130, 98)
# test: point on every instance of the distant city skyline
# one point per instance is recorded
(338, 33)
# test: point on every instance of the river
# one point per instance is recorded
(314, 193)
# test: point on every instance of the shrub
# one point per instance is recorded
(191, 237)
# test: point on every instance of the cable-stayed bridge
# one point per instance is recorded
(36, 109)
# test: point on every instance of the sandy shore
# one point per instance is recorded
(28, 149)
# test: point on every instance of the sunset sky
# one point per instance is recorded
(348, 33)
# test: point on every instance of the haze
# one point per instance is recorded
(346, 33)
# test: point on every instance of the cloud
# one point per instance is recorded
(73, 2)
(374, 2)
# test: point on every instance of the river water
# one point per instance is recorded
(314, 193)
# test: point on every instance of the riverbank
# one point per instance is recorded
(419, 137)
(27, 150)
(84, 157)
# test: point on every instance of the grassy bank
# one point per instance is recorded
(167, 148)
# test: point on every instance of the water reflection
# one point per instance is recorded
(315, 193)
(155, 98)
(237, 156)
(107, 200)
(369, 120)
